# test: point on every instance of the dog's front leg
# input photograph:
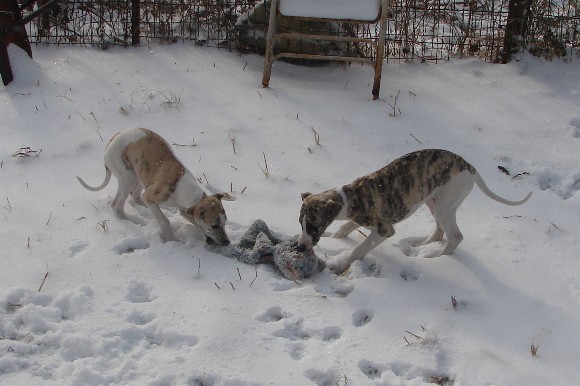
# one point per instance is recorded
(166, 231)
(360, 251)
(345, 230)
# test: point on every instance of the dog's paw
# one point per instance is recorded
(429, 253)
(168, 236)
(136, 220)
(407, 246)
(338, 265)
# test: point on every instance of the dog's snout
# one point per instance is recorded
(219, 241)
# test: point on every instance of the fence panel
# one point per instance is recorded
(427, 30)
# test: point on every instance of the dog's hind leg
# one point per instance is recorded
(126, 180)
(444, 208)
(453, 235)
(118, 204)
(345, 230)
(437, 234)
(136, 194)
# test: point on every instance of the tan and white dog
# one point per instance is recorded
(147, 169)
(437, 178)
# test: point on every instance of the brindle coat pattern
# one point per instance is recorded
(438, 178)
(387, 195)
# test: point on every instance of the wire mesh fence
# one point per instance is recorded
(417, 29)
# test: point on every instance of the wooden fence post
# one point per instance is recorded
(516, 27)
(136, 22)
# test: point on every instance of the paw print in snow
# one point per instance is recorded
(362, 317)
(139, 292)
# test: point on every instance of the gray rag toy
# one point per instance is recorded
(260, 246)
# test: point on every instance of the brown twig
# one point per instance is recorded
(394, 105)
(265, 170)
(198, 274)
(255, 277)
(182, 145)
(415, 335)
(415, 138)
(43, 281)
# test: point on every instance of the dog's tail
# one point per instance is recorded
(100, 187)
(481, 185)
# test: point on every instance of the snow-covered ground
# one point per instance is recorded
(120, 307)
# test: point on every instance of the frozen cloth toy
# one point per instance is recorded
(260, 246)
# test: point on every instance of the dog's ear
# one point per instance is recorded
(224, 196)
(304, 195)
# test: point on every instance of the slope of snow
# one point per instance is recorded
(120, 307)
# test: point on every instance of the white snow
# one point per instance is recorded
(367, 10)
(120, 307)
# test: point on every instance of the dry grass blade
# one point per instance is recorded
(43, 280)
(26, 152)
(103, 225)
(254, 277)
(265, 168)
(316, 136)
(394, 105)
(198, 274)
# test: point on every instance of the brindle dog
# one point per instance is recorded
(437, 178)
(147, 169)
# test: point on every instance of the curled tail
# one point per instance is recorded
(481, 185)
(100, 187)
